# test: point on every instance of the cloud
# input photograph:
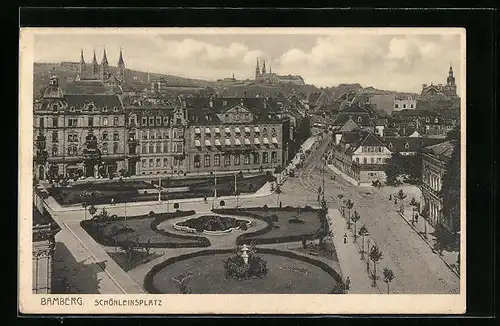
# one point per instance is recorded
(400, 62)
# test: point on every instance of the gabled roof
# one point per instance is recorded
(361, 119)
(442, 150)
(408, 144)
(414, 113)
(350, 125)
(99, 100)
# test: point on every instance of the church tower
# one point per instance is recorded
(81, 66)
(104, 66)
(264, 68)
(95, 66)
(450, 81)
(121, 66)
(257, 70)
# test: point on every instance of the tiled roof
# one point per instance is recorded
(343, 117)
(443, 149)
(408, 144)
(99, 100)
(415, 113)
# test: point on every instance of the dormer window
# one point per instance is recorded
(72, 109)
(105, 109)
(54, 108)
(91, 107)
(359, 119)
(407, 145)
(115, 109)
(390, 145)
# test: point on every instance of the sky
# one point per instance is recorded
(400, 62)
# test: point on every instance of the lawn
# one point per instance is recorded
(135, 191)
(205, 275)
(142, 230)
(133, 259)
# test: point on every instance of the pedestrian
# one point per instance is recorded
(281, 204)
(390, 197)
(416, 217)
(395, 201)
(347, 284)
(345, 237)
(112, 202)
(205, 198)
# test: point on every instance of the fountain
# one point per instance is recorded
(244, 253)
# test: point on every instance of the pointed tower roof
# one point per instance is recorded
(82, 60)
(104, 58)
(94, 60)
(450, 72)
(270, 69)
(257, 63)
(120, 60)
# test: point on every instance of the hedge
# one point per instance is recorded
(148, 280)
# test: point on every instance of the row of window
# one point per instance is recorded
(73, 122)
(91, 107)
(177, 134)
(236, 130)
(161, 147)
(74, 137)
(372, 149)
(373, 160)
(411, 106)
(235, 159)
(155, 121)
(73, 149)
(158, 162)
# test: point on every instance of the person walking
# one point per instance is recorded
(345, 237)
(416, 217)
(347, 284)
(112, 202)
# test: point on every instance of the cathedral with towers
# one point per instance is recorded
(448, 90)
(101, 72)
(264, 77)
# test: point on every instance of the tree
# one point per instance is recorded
(355, 218)
(444, 240)
(375, 256)
(176, 206)
(363, 232)
(401, 195)
(388, 276)
(349, 205)
(394, 168)
(450, 191)
(92, 210)
(222, 203)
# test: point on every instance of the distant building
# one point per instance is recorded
(434, 166)
(448, 90)
(403, 103)
(361, 114)
(262, 76)
(361, 155)
(408, 145)
(102, 73)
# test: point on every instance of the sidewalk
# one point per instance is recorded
(425, 230)
(99, 255)
(350, 261)
(343, 175)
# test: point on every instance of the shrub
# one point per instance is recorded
(236, 268)
(266, 208)
(176, 206)
(274, 218)
(151, 214)
(296, 220)
(243, 226)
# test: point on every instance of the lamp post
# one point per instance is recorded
(215, 190)
(159, 189)
(236, 189)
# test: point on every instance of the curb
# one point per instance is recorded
(430, 246)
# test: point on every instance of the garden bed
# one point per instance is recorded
(284, 224)
(142, 230)
(203, 272)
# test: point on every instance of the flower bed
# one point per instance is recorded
(211, 224)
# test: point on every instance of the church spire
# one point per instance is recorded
(257, 69)
(121, 66)
(81, 67)
(95, 65)
(450, 81)
(104, 66)
(120, 60)
(104, 58)
(264, 67)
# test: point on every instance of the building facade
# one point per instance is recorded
(234, 134)
(78, 134)
(435, 160)
(405, 103)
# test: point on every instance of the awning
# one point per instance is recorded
(227, 130)
(247, 141)
(207, 130)
(247, 130)
(256, 129)
(237, 142)
(265, 141)
(274, 140)
(217, 143)
(227, 142)
(217, 130)
(207, 142)
(197, 130)
(197, 143)
(237, 130)
(256, 141)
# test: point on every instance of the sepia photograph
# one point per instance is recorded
(278, 170)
